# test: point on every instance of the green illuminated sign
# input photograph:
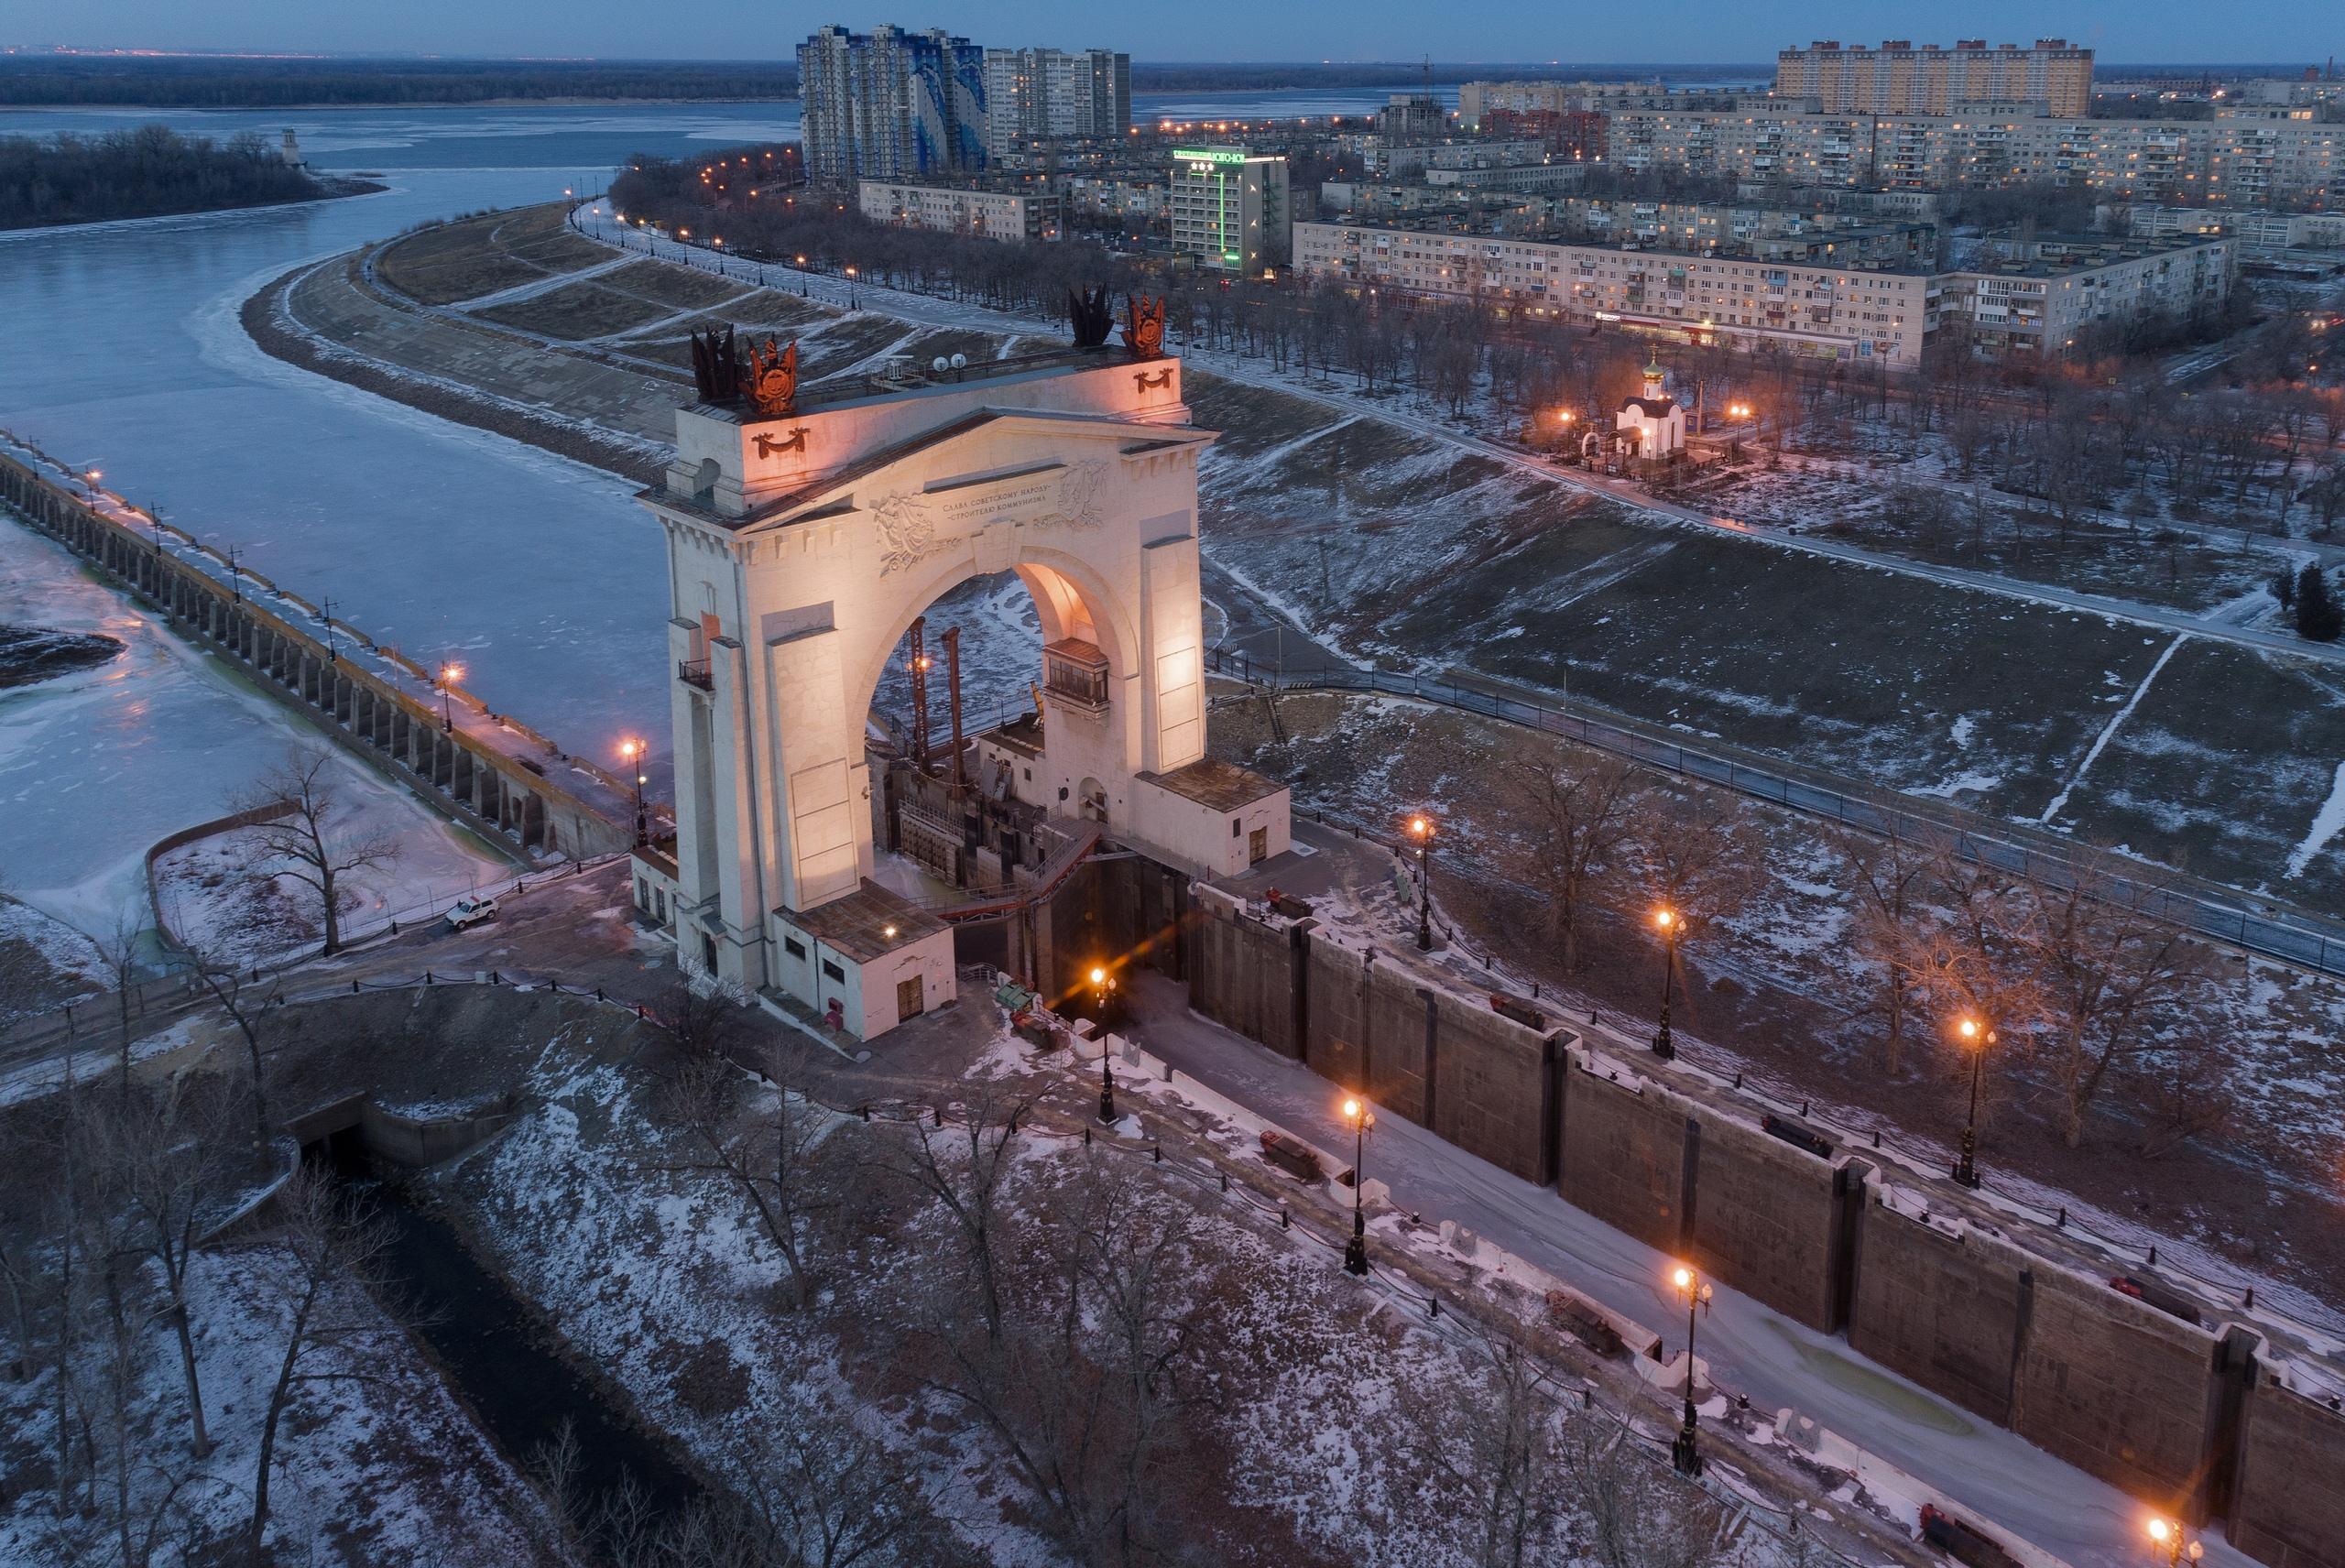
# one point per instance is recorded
(1209, 154)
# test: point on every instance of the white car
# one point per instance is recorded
(471, 911)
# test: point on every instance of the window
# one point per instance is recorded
(792, 946)
(834, 972)
(1235, 828)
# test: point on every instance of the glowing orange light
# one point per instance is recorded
(1664, 918)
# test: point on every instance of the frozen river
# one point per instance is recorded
(125, 351)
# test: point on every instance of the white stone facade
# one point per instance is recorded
(800, 549)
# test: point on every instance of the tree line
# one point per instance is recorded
(71, 178)
(213, 82)
(2069, 968)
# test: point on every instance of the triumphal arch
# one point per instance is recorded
(808, 531)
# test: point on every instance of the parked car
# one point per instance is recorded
(471, 911)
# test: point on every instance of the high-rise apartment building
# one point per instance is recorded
(1899, 79)
(1230, 209)
(1055, 92)
(891, 104)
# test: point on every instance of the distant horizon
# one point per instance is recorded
(29, 52)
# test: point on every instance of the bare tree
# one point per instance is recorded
(1574, 816)
(1085, 1389)
(244, 997)
(2108, 967)
(314, 843)
(321, 1260)
(172, 1151)
(770, 1149)
(1503, 1450)
(1697, 854)
(1639, 1513)
(963, 1169)
(821, 1493)
(1888, 876)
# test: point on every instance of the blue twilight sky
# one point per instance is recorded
(1674, 32)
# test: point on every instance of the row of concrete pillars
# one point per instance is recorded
(364, 709)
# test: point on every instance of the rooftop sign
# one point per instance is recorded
(1209, 154)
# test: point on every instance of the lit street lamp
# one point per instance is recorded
(89, 485)
(1103, 986)
(449, 675)
(1683, 1453)
(1356, 1250)
(2175, 1543)
(850, 289)
(1976, 1038)
(1421, 831)
(1667, 922)
(632, 750)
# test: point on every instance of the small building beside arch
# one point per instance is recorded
(1651, 426)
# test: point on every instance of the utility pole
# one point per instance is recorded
(953, 677)
(327, 610)
(235, 574)
(919, 635)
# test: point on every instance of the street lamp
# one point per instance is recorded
(633, 749)
(1356, 1112)
(1103, 985)
(1683, 1453)
(1976, 1038)
(449, 675)
(1667, 921)
(1421, 831)
(89, 485)
(2169, 1538)
(850, 289)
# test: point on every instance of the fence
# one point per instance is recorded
(2296, 940)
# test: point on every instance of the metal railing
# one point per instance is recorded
(2294, 939)
(697, 672)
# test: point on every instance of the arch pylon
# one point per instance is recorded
(797, 570)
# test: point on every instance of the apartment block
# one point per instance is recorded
(891, 104)
(2238, 160)
(1230, 209)
(1788, 294)
(1056, 93)
(1027, 212)
(1899, 79)
(2043, 295)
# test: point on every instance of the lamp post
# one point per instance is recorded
(2171, 1540)
(1421, 834)
(449, 675)
(1667, 921)
(1356, 1112)
(850, 291)
(1976, 1038)
(1682, 1452)
(1103, 985)
(633, 750)
(89, 485)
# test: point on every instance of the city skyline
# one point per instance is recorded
(1706, 32)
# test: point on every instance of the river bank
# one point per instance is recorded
(337, 188)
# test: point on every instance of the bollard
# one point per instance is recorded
(939, 1116)
(495, 978)
(1738, 1080)
(395, 925)
(427, 977)
(1156, 1154)
(1803, 1107)
(1086, 1135)
(867, 1113)
(1225, 1187)
(1433, 1306)
(598, 993)
(2153, 1257)
(354, 987)
(2063, 1221)
(1876, 1137)
(1282, 1220)
(2249, 1303)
